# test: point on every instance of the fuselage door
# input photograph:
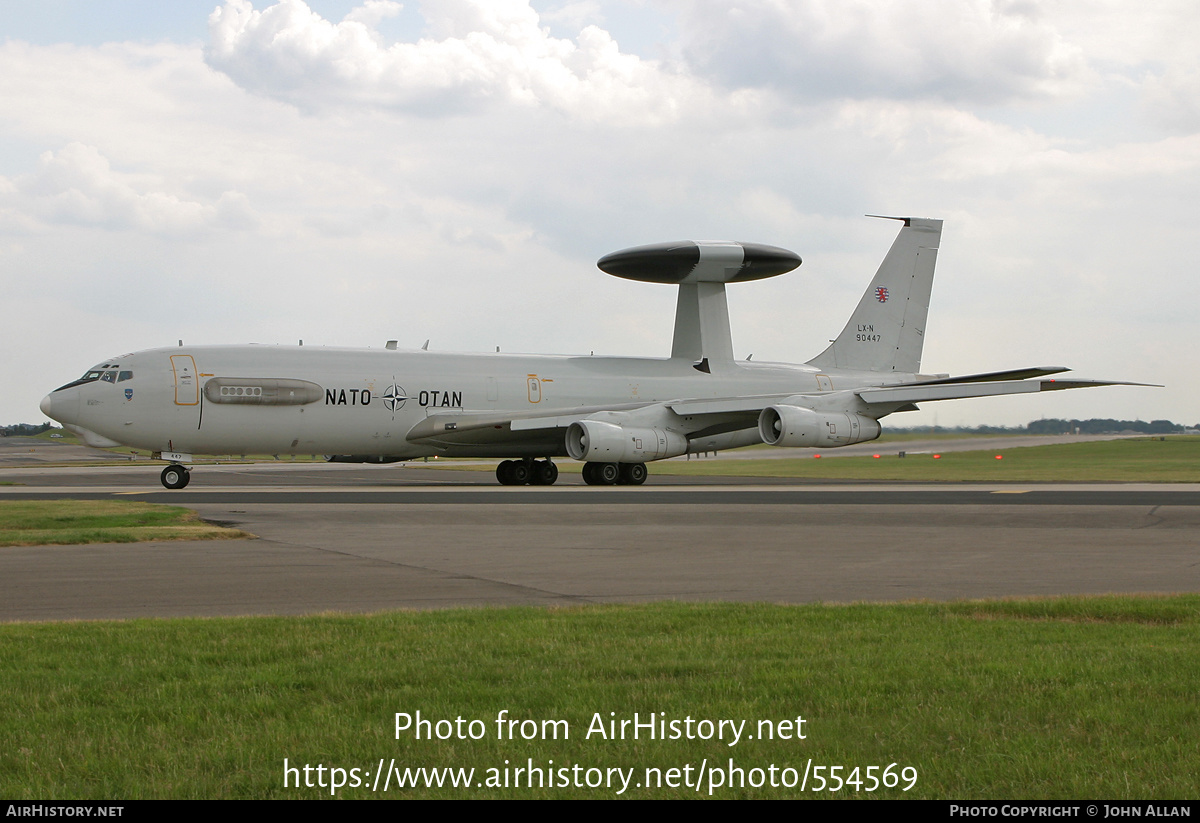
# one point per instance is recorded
(187, 386)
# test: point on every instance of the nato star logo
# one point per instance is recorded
(393, 397)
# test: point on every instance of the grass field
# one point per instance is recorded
(42, 522)
(1063, 698)
(1175, 459)
(1056, 699)
(1151, 460)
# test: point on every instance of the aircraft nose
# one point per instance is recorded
(61, 405)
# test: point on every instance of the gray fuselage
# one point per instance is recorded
(367, 401)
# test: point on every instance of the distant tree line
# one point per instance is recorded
(1100, 425)
(23, 429)
(1054, 425)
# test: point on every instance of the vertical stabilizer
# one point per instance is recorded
(887, 330)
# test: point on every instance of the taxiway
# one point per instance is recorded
(367, 538)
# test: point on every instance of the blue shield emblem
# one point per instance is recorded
(129, 394)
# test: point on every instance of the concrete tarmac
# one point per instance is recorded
(367, 538)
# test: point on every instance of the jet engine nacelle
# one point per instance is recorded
(797, 426)
(599, 442)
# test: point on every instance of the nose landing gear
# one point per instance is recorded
(176, 476)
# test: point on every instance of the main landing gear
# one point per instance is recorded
(614, 474)
(522, 472)
(176, 476)
(545, 473)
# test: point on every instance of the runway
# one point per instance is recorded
(360, 539)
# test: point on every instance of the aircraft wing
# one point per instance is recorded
(443, 425)
(978, 385)
(722, 414)
(956, 390)
(987, 377)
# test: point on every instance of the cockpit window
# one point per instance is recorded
(123, 376)
(109, 377)
(88, 377)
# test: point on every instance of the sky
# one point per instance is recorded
(348, 173)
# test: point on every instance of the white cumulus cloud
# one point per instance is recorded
(77, 185)
(478, 52)
(957, 50)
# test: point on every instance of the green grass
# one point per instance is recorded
(1062, 698)
(902, 436)
(1173, 460)
(67, 437)
(42, 522)
(1153, 460)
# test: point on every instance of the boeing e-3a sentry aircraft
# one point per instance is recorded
(615, 413)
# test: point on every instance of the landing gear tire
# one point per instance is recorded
(633, 474)
(513, 473)
(519, 472)
(504, 472)
(545, 473)
(609, 473)
(175, 476)
(601, 474)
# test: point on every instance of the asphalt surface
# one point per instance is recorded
(368, 538)
(32, 451)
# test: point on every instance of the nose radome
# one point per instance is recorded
(62, 406)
